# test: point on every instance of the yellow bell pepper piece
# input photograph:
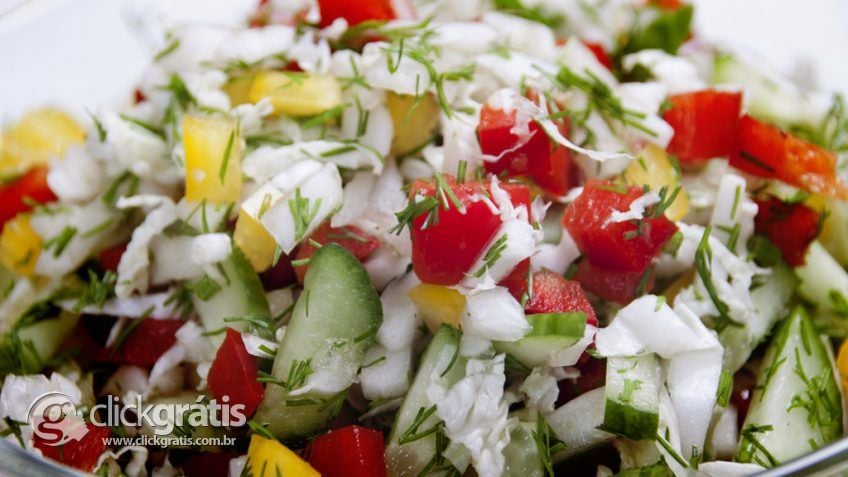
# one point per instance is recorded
(256, 243)
(213, 159)
(269, 457)
(38, 137)
(842, 364)
(20, 246)
(297, 94)
(653, 168)
(238, 88)
(437, 304)
(414, 120)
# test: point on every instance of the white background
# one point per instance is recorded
(85, 53)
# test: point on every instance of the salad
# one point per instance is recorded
(441, 237)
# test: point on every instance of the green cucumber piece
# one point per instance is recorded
(240, 297)
(578, 422)
(770, 300)
(766, 98)
(796, 406)
(336, 317)
(442, 364)
(166, 426)
(521, 455)
(550, 333)
(823, 280)
(28, 346)
(631, 406)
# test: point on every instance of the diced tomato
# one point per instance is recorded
(620, 287)
(358, 243)
(351, 451)
(790, 227)
(355, 11)
(18, 195)
(744, 383)
(207, 464)
(233, 374)
(138, 96)
(443, 252)
(81, 454)
(766, 151)
(111, 257)
(704, 124)
(600, 53)
(553, 293)
(516, 281)
(593, 373)
(148, 341)
(627, 246)
(280, 275)
(547, 163)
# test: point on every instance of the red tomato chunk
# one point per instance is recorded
(627, 246)
(704, 124)
(233, 374)
(351, 451)
(790, 227)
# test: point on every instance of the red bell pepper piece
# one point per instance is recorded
(516, 282)
(790, 227)
(546, 162)
(625, 246)
(553, 293)
(355, 11)
(704, 124)
(111, 257)
(360, 244)
(233, 374)
(600, 53)
(351, 451)
(620, 287)
(147, 342)
(444, 251)
(18, 195)
(766, 151)
(81, 454)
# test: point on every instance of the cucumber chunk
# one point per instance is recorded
(550, 333)
(578, 422)
(770, 302)
(27, 347)
(334, 321)
(631, 407)
(823, 280)
(521, 455)
(407, 454)
(241, 296)
(796, 406)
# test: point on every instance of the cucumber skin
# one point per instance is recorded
(791, 431)
(546, 338)
(638, 418)
(626, 421)
(342, 305)
(243, 296)
(408, 460)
